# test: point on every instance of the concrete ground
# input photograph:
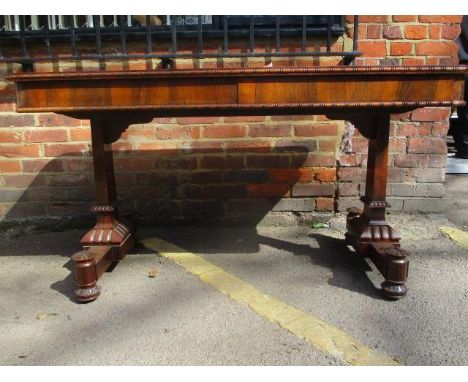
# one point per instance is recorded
(177, 319)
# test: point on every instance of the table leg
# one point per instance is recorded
(368, 232)
(109, 240)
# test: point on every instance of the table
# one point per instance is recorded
(365, 96)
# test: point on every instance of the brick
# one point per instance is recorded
(295, 204)
(7, 92)
(252, 146)
(411, 160)
(351, 174)
(229, 161)
(450, 32)
(428, 114)
(237, 119)
(395, 175)
(135, 133)
(10, 166)
(391, 32)
(401, 189)
(400, 117)
(245, 176)
(416, 32)
(16, 120)
(51, 120)
(165, 148)
(23, 180)
(173, 132)
(427, 145)
(413, 61)
(314, 160)
(438, 129)
(435, 32)
(162, 120)
(448, 61)
(313, 189)
(291, 175)
(42, 165)
(267, 190)
(10, 136)
(403, 18)
(4, 208)
(325, 204)
(206, 147)
(134, 164)
(436, 48)
(224, 191)
(400, 48)
(362, 31)
(438, 161)
(270, 131)
(316, 130)
(431, 190)
(390, 62)
(350, 160)
(224, 131)
(268, 161)
(12, 195)
(327, 145)
(197, 120)
(429, 175)
(72, 149)
(175, 163)
(46, 135)
(373, 48)
(348, 189)
(69, 180)
(295, 146)
(440, 19)
(397, 146)
(289, 118)
(80, 134)
(374, 31)
(79, 165)
(14, 151)
(373, 19)
(326, 175)
(343, 203)
(204, 177)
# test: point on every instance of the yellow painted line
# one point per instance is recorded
(459, 236)
(318, 333)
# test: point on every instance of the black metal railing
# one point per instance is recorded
(25, 33)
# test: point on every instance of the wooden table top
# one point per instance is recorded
(241, 91)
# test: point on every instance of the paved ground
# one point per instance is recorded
(176, 319)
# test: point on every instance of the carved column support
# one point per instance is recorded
(109, 240)
(367, 230)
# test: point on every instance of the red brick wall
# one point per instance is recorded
(418, 147)
(235, 168)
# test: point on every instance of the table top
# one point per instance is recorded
(241, 91)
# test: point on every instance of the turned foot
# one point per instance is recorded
(85, 276)
(393, 290)
(88, 294)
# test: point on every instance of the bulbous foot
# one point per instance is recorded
(88, 294)
(394, 291)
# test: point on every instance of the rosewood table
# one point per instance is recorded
(365, 96)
